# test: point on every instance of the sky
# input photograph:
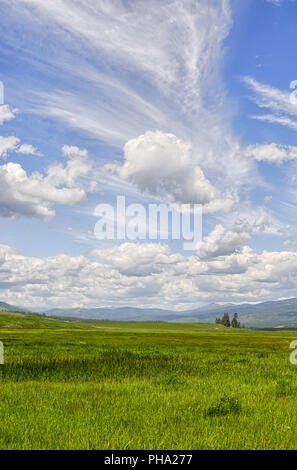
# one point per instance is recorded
(174, 102)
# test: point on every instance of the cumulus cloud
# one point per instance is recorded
(77, 169)
(28, 149)
(8, 144)
(175, 48)
(167, 280)
(35, 195)
(142, 259)
(6, 113)
(222, 243)
(12, 144)
(173, 51)
(272, 153)
(161, 164)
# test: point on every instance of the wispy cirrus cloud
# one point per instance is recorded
(144, 79)
(277, 3)
(282, 109)
(148, 37)
(273, 119)
(146, 66)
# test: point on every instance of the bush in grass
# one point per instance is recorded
(226, 406)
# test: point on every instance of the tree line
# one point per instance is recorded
(225, 320)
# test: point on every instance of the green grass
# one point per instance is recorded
(144, 386)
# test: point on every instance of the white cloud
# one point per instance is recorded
(222, 243)
(161, 164)
(173, 51)
(272, 153)
(6, 113)
(8, 144)
(148, 37)
(277, 3)
(104, 121)
(78, 169)
(283, 120)
(269, 97)
(28, 149)
(142, 259)
(166, 279)
(277, 101)
(35, 195)
(12, 144)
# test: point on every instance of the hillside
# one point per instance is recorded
(272, 314)
(16, 320)
(4, 307)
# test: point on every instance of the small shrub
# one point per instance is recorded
(262, 355)
(285, 389)
(226, 406)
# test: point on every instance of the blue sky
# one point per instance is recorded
(188, 101)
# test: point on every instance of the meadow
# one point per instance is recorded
(73, 385)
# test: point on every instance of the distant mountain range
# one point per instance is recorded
(274, 314)
(4, 307)
(282, 314)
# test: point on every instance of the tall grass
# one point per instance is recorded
(146, 388)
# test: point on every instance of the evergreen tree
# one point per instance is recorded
(226, 320)
(235, 323)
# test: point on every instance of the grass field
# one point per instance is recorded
(144, 386)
